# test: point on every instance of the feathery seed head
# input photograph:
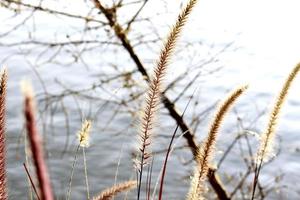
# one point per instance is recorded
(84, 134)
(109, 193)
(265, 151)
(3, 74)
(205, 151)
(3, 179)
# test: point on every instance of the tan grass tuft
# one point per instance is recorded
(109, 193)
(3, 181)
(206, 151)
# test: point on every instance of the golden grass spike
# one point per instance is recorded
(3, 181)
(84, 134)
(152, 97)
(206, 151)
(267, 138)
(108, 193)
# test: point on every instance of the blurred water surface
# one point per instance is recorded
(263, 58)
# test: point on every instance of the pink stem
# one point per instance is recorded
(37, 151)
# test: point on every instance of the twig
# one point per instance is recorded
(31, 181)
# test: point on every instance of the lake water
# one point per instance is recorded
(264, 50)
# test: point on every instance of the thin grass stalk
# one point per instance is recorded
(31, 181)
(206, 151)
(150, 179)
(157, 182)
(86, 174)
(153, 93)
(3, 181)
(147, 181)
(72, 173)
(36, 146)
(267, 139)
(109, 193)
(83, 137)
(169, 151)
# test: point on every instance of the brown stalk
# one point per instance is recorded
(36, 147)
(267, 138)
(109, 193)
(3, 181)
(206, 151)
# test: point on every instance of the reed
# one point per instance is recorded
(153, 94)
(206, 151)
(267, 138)
(36, 145)
(109, 193)
(3, 181)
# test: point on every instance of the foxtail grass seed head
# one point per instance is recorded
(206, 150)
(266, 151)
(84, 134)
(109, 193)
(3, 179)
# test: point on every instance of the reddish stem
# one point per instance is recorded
(37, 150)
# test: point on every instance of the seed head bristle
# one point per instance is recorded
(267, 138)
(206, 150)
(3, 179)
(109, 193)
(84, 134)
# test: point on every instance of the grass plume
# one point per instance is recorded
(152, 98)
(3, 181)
(206, 151)
(84, 134)
(36, 145)
(267, 138)
(83, 142)
(109, 193)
